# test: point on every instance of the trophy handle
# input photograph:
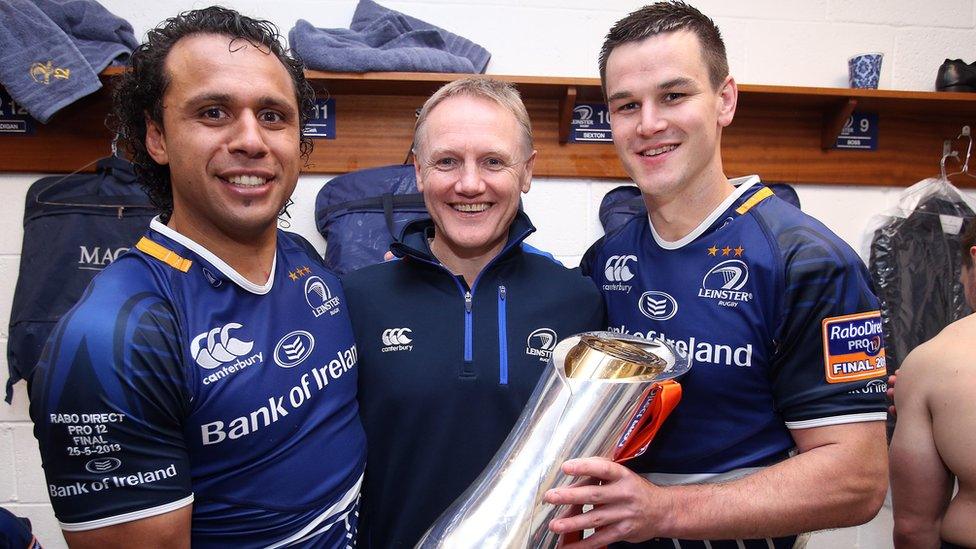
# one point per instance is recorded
(666, 396)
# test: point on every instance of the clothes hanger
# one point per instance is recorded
(910, 198)
(114, 148)
(947, 153)
(969, 150)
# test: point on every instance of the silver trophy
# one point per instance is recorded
(602, 394)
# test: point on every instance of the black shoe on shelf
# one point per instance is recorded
(956, 76)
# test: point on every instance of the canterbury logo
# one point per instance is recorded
(616, 269)
(213, 348)
(396, 336)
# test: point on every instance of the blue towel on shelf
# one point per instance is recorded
(51, 51)
(381, 39)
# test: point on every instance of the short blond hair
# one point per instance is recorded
(502, 93)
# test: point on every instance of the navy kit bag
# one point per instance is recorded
(74, 226)
(619, 206)
(361, 213)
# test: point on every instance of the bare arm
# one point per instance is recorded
(167, 531)
(838, 479)
(921, 486)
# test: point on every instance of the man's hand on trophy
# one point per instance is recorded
(626, 507)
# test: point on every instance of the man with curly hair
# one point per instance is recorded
(203, 389)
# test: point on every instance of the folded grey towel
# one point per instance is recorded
(51, 51)
(381, 39)
(99, 35)
(368, 11)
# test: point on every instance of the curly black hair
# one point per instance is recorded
(139, 90)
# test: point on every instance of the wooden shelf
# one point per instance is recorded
(783, 133)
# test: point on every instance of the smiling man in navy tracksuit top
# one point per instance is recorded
(453, 336)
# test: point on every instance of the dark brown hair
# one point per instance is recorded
(665, 17)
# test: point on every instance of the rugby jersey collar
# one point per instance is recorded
(741, 184)
(217, 263)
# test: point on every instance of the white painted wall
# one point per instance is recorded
(788, 42)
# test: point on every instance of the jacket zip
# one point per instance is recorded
(502, 338)
(467, 369)
(467, 327)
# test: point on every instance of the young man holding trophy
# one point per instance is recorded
(781, 427)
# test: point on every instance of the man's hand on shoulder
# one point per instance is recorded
(626, 507)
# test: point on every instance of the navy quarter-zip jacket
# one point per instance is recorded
(445, 370)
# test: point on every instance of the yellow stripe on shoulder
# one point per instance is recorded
(761, 194)
(163, 254)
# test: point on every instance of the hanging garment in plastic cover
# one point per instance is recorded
(913, 255)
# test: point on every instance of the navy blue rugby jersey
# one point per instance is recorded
(176, 381)
(777, 316)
